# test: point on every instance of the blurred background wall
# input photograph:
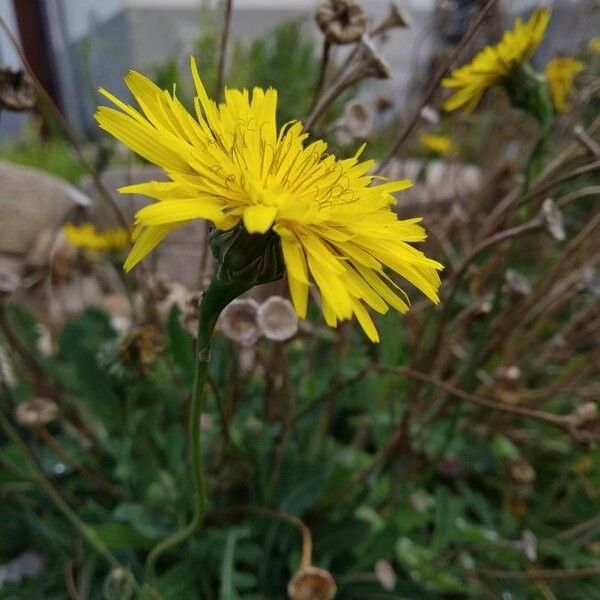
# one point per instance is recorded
(84, 44)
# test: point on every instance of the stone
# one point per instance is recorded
(31, 201)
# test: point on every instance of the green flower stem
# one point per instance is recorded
(40, 478)
(214, 300)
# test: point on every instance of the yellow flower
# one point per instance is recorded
(560, 73)
(495, 64)
(86, 236)
(594, 45)
(230, 165)
(438, 144)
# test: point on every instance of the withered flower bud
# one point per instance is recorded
(341, 21)
(277, 319)
(238, 321)
(36, 413)
(311, 583)
(17, 92)
(142, 345)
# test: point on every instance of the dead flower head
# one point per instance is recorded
(396, 18)
(277, 319)
(16, 90)
(238, 321)
(311, 583)
(358, 119)
(142, 345)
(36, 413)
(341, 21)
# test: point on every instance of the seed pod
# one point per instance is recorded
(311, 583)
(238, 321)
(341, 21)
(17, 92)
(277, 319)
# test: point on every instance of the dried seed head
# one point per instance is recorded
(385, 574)
(9, 282)
(17, 92)
(553, 218)
(142, 345)
(396, 18)
(341, 21)
(358, 119)
(277, 319)
(370, 63)
(36, 413)
(522, 472)
(238, 321)
(311, 583)
(517, 282)
(585, 413)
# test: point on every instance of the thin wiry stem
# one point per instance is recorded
(223, 49)
(322, 71)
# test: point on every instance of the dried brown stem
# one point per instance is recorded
(223, 49)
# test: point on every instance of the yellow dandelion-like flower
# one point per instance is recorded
(438, 144)
(230, 165)
(495, 64)
(560, 73)
(86, 236)
(594, 45)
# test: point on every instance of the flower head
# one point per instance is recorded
(231, 165)
(560, 73)
(594, 45)
(495, 64)
(438, 144)
(86, 236)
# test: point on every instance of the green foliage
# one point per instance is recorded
(54, 156)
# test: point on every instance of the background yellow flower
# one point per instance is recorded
(560, 73)
(494, 64)
(86, 236)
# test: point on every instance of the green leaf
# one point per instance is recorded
(121, 536)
